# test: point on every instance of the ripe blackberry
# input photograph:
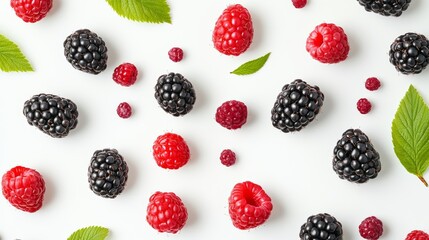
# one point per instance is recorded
(175, 94)
(296, 106)
(355, 158)
(107, 173)
(321, 226)
(385, 7)
(371, 228)
(86, 51)
(409, 53)
(52, 114)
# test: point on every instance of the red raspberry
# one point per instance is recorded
(24, 188)
(170, 151)
(124, 110)
(31, 10)
(166, 212)
(249, 205)
(125, 74)
(364, 106)
(175, 54)
(231, 114)
(233, 32)
(371, 228)
(372, 83)
(299, 3)
(328, 43)
(227, 157)
(417, 235)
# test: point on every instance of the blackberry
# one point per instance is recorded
(296, 106)
(321, 226)
(386, 7)
(355, 158)
(107, 173)
(409, 53)
(175, 94)
(52, 114)
(86, 51)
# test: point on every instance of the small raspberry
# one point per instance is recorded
(166, 212)
(372, 84)
(328, 43)
(249, 205)
(227, 157)
(364, 106)
(170, 151)
(24, 188)
(417, 235)
(371, 228)
(31, 10)
(299, 3)
(124, 110)
(175, 54)
(125, 74)
(231, 114)
(233, 32)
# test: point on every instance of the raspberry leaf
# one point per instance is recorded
(152, 11)
(252, 66)
(410, 133)
(11, 57)
(90, 233)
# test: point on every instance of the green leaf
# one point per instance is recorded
(410, 133)
(152, 11)
(11, 57)
(90, 233)
(252, 66)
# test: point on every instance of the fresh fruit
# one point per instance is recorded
(52, 114)
(372, 84)
(124, 110)
(328, 43)
(409, 53)
(170, 151)
(107, 173)
(31, 10)
(385, 7)
(355, 158)
(299, 3)
(227, 157)
(363, 105)
(24, 188)
(175, 94)
(296, 106)
(249, 205)
(86, 51)
(175, 54)
(232, 114)
(125, 74)
(371, 228)
(233, 32)
(166, 212)
(417, 235)
(321, 226)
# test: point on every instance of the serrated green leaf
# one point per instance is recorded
(11, 57)
(410, 133)
(90, 233)
(252, 66)
(152, 11)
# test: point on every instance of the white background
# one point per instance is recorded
(294, 169)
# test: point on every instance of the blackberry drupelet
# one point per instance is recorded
(355, 158)
(321, 226)
(107, 173)
(409, 53)
(386, 7)
(52, 114)
(175, 94)
(86, 51)
(296, 106)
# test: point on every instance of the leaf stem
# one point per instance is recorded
(423, 180)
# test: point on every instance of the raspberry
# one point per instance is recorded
(328, 43)
(24, 188)
(417, 235)
(125, 74)
(372, 83)
(233, 32)
(371, 228)
(249, 205)
(364, 106)
(227, 157)
(166, 212)
(299, 3)
(175, 54)
(170, 151)
(124, 110)
(231, 114)
(31, 10)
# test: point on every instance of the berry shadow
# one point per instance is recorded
(82, 120)
(252, 117)
(279, 210)
(56, 7)
(192, 213)
(258, 37)
(200, 97)
(132, 174)
(414, 5)
(194, 152)
(385, 164)
(49, 192)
